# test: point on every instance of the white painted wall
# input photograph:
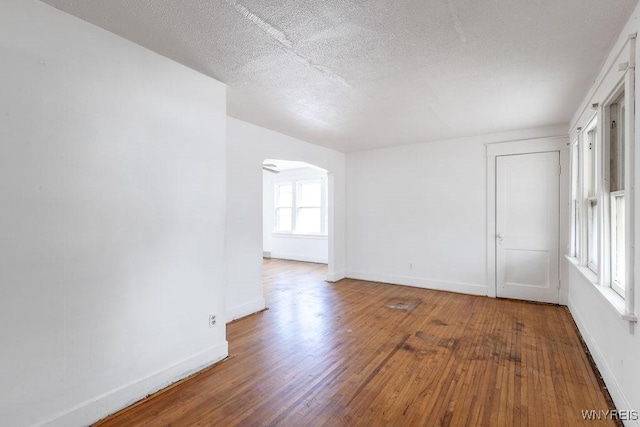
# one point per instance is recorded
(613, 342)
(294, 247)
(112, 181)
(247, 147)
(300, 248)
(417, 214)
(268, 204)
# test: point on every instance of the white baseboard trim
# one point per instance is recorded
(245, 309)
(303, 258)
(462, 288)
(336, 276)
(111, 402)
(266, 254)
(613, 387)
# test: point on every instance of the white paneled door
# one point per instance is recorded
(527, 226)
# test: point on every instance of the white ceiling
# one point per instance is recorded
(360, 74)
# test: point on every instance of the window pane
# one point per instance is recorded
(617, 145)
(592, 142)
(283, 219)
(592, 233)
(576, 228)
(284, 195)
(310, 194)
(308, 220)
(575, 206)
(618, 241)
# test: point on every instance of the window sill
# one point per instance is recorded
(615, 301)
(301, 236)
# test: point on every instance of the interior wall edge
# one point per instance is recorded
(336, 276)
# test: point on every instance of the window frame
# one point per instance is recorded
(614, 83)
(296, 183)
(617, 100)
(594, 182)
(590, 191)
(576, 199)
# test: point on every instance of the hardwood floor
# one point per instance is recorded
(369, 354)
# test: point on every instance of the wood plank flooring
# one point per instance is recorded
(357, 353)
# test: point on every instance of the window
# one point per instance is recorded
(575, 200)
(300, 207)
(591, 197)
(616, 194)
(598, 205)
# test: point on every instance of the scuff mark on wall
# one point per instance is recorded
(457, 24)
(275, 33)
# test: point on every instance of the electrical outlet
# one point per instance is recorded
(212, 320)
(410, 266)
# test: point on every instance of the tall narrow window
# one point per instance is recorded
(616, 194)
(575, 201)
(591, 176)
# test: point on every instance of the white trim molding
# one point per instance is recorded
(295, 257)
(438, 285)
(614, 301)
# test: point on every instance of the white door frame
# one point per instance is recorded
(528, 146)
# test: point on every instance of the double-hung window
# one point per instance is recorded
(603, 199)
(300, 207)
(599, 238)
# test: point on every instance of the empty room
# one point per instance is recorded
(330, 213)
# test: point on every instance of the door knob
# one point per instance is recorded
(499, 237)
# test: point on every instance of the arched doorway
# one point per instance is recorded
(296, 211)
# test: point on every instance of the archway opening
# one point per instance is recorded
(296, 211)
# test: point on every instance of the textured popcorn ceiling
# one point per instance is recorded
(359, 74)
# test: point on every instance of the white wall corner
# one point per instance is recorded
(336, 276)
